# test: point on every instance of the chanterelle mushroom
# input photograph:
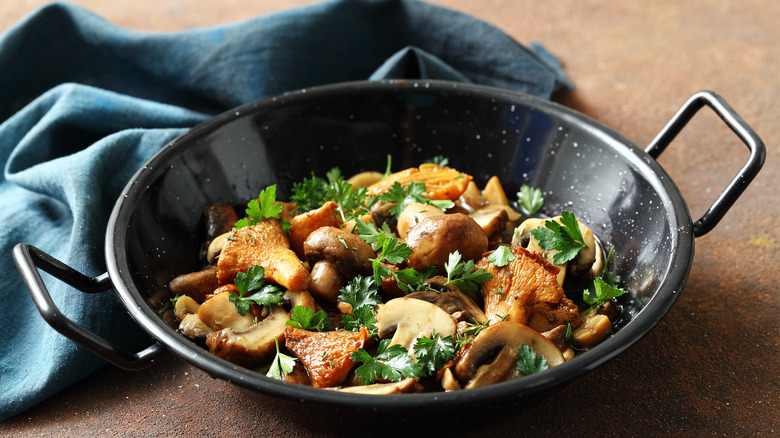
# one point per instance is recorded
(475, 367)
(410, 319)
(588, 263)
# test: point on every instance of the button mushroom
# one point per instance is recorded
(408, 319)
(434, 238)
(335, 255)
(453, 302)
(190, 325)
(480, 365)
(304, 224)
(413, 214)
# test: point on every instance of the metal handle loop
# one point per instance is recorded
(740, 182)
(28, 258)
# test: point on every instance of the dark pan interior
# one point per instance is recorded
(580, 165)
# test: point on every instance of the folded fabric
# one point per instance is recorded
(85, 103)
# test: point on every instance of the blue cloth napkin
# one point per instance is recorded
(84, 103)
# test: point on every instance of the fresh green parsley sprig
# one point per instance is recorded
(264, 207)
(303, 317)
(253, 281)
(363, 295)
(463, 275)
(432, 353)
(406, 194)
(281, 365)
(528, 362)
(501, 256)
(530, 199)
(391, 363)
(565, 237)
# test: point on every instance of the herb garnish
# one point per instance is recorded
(432, 353)
(390, 363)
(253, 281)
(530, 199)
(463, 275)
(363, 295)
(527, 361)
(565, 237)
(406, 194)
(264, 207)
(303, 317)
(282, 364)
(502, 256)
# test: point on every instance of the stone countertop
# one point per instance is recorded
(709, 368)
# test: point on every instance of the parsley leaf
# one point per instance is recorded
(502, 256)
(282, 364)
(527, 361)
(309, 194)
(530, 199)
(609, 277)
(391, 363)
(253, 281)
(363, 295)
(463, 275)
(360, 291)
(406, 194)
(264, 207)
(373, 235)
(391, 251)
(604, 292)
(439, 160)
(168, 305)
(565, 237)
(303, 317)
(361, 317)
(432, 353)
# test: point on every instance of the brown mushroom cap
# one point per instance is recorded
(344, 250)
(434, 238)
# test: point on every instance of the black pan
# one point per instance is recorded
(579, 164)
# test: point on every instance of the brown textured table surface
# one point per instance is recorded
(710, 368)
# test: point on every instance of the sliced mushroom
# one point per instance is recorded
(252, 346)
(195, 285)
(492, 219)
(219, 312)
(472, 198)
(408, 319)
(480, 366)
(405, 386)
(216, 245)
(448, 381)
(453, 302)
(434, 238)
(413, 214)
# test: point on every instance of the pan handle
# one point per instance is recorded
(745, 133)
(28, 258)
